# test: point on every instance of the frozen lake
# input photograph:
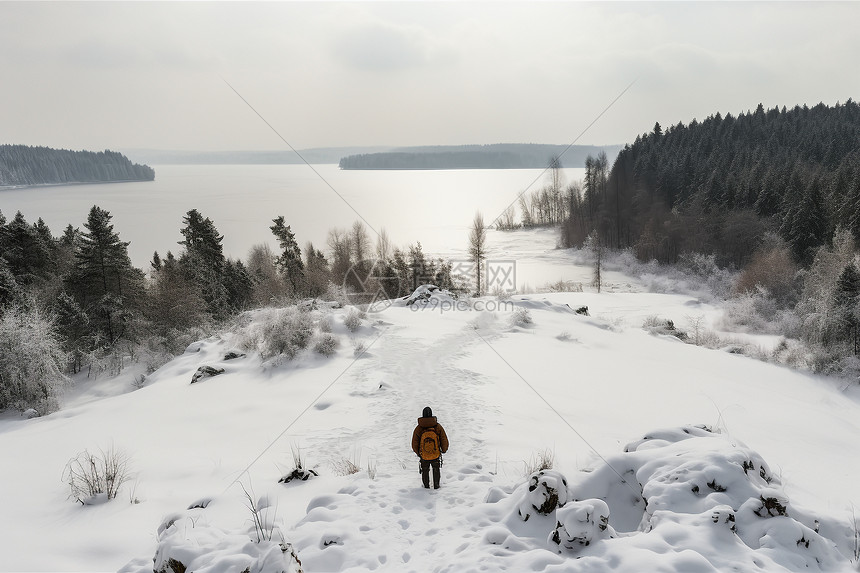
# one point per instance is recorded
(433, 207)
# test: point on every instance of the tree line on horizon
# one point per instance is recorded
(26, 165)
(492, 156)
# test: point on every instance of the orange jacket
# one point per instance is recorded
(423, 424)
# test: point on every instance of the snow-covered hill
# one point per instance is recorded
(667, 456)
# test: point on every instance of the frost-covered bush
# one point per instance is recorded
(663, 326)
(352, 320)
(326, 323)
(521, 317)
(326, 344)
(94, 478)
(704, 267)
(31, 360)
(752, 310)
(286, 333)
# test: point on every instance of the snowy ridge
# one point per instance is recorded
(692, 498)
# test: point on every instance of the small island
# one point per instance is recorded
(23, 165)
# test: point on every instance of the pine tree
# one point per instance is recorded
(174, 302)
(805, 225)
(9, 288)
(851, 207)
(317, 275)
(203, 261)
(74, 325)
(103, 281)
(25, 251)
(289, 262)
(238, 283)
(846, 299)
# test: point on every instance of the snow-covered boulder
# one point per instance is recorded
(678, 499)
(545, 491)
(582, 523)
(429, 295)
(190, 545)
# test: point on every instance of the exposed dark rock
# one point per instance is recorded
(299, 474)
(206, 372)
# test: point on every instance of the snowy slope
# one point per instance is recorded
(586, 388)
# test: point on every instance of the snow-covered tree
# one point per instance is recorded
(104, 282)
(31, 359)
(289, 262)
(203, 260)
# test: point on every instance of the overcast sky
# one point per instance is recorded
(149, 75)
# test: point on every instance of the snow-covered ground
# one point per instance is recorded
(745, 466)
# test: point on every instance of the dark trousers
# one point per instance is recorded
(425, 472)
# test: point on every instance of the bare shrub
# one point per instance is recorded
(358, 348)
(521, 317)
(347, 466)
(139, 381)
(701, 335)
(327, 344)
(264, 525)
(856, 526)
(500, 293)
(656, 325)
(564, 286)
(371, 469)
(352, 320)
(771, 268)
(91, 476)
(299, 472)
(543, 460)
(507, 221)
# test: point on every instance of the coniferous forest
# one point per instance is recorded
(718, 186)
(772, 196)
(25, 165)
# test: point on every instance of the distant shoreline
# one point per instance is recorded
(37, 185)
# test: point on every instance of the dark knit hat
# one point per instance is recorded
(428, 413)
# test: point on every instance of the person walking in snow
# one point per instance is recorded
(429, 442)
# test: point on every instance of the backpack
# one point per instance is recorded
(428, 446)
